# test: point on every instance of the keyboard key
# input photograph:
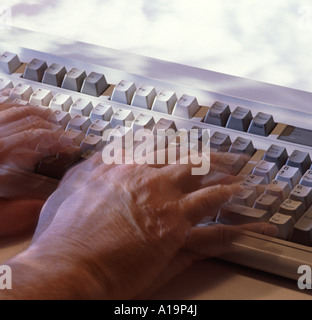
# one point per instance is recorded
(220, 141)
(291, 175)
(54, 75)
(92, 142)
(284, 224)
(61, 102)
(79, 123)
(262, 124)
(302, 232)
(302, 194)
(98, 127)
(4, 99)
(233, 163)
(255, 183)
(186, 107)
(122, 117)
(235, 214)
(72, 137)
(299, 159)
(60, 118)
(35, 69)
(218, 114)
(276, 154)
(101, 112)
(280, 189)
(292, 208)
(94, 84)
(73, 79)
(164, 125)
(245, 197)
(81, 107)
(239, 119)
(5, 84)
(165, 102)
(22, 92)
(265, 169)
(306, 180)
(41, 97)
(268, 203)
(242, 145)
(70, 153)
(9, 62)
(143, 121)
(123, 92)
(144, 97)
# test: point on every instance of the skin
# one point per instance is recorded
(110, 231)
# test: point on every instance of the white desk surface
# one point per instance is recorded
(215, 279)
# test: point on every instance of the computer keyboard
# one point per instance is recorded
(88, 98)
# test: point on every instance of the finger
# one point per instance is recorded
(19, 216)
(31, 122)
(207, 201)
(19, 112)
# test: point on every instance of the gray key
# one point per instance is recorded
(262, 124)
(94, 85)
(235, 214)
(299, 159)
(35, 70)
(284, 224)
(74, 79)
(239, 119)
(54, 75)
(218, 114)
(292, 208)
(242, 145)
(302, 232)
(276, 154)
(9, 62)
(268, 203)
(220, 141)
(302, 194)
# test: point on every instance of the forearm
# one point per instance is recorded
(40, 276)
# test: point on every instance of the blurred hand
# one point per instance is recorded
(22, 129)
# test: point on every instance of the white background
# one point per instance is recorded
(266, 40)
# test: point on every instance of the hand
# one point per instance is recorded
(118, 232)
(22, 129)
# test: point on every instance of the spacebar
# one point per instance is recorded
(16, 183)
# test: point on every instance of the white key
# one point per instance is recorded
(265, 169)
(144, 97)
(21, 91)
(303, 194)
(9, 62)
(20, 102)
(186, 107)
(81, 107)
(291, 175)
(41, 97)
(280, 189)
(164, 102)
(255, 183)
(61, 102)
(92, 142)
(143, 121)
(267, 202)
(284, 224)
(101, 112)
(4, 99)
(60, 118)
(79, 123)
(98, 127)
(72, 137)
(306, 180)
(123, 92)
(245, 197)
(5, 84)
(122, 117)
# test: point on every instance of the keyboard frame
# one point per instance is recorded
(289, 106)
